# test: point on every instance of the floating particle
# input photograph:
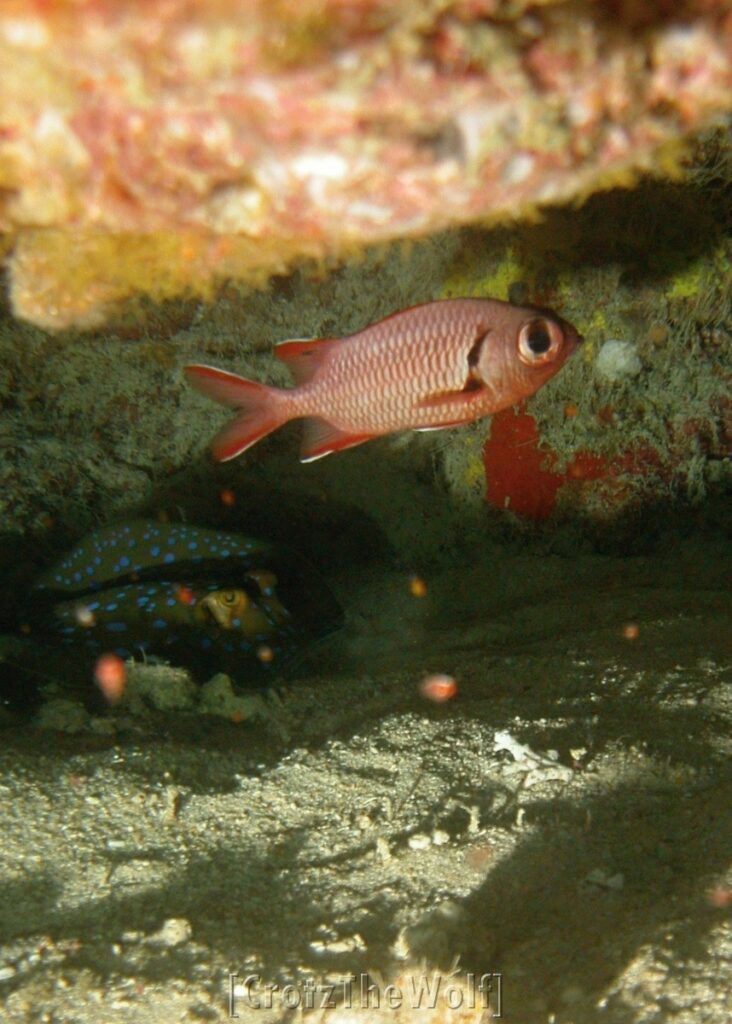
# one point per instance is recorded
(227, 497)
(84, 616)
(265, 654)
(110, 676)
(479, 857)
(438, 688)
(719, 897)
(417, 586)
(631, 631)
(184, 594)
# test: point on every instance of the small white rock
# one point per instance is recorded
(419, 841)
(617, 360)
(174, 932)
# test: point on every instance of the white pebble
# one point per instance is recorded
(174, 932)
(617, 360)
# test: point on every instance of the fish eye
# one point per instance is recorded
(539, 341)
(228, 597)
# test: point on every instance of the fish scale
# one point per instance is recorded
(431, 366)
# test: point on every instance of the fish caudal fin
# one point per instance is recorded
(322, 438)
(257, 405)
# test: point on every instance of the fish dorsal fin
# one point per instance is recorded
(302, 356)
(322, 438)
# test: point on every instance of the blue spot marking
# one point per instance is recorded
(90, 570)
(122, 652)
(77, 576)
(124, 560)
(116, 627)
(171, 602)
(206, 642)
(225, 553)
(160, 624)
(236, 623)
(92, 606)
(142, 601)
(155, 551)
(112, 607)
(193, 545)
(170, 557)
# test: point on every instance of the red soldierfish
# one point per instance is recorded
(436, 365)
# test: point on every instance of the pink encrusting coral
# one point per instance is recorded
(158, 147)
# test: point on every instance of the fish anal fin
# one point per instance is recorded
(243, 432)
(303, 357)
(322, 438)
(441, 426)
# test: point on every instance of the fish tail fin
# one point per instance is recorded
(259, 410)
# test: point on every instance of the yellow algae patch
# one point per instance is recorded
(686, 284)
(493, 285)
(474, 473)
(59, 279)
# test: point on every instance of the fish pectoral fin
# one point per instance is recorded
(465, 396)
(302, 356)
(322, 438)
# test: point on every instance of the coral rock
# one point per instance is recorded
(160, 148)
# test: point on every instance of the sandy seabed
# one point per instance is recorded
(562, 822)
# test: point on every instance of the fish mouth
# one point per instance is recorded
(207, 613)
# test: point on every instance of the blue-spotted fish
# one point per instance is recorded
(204, 599)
